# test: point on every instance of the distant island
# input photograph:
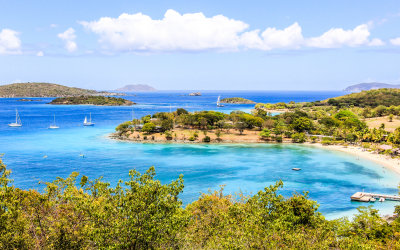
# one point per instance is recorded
(368, 86)
(237, 100)
(195, 94)
(29, 100)
(92, 100)
(41, 89)
(136, 88)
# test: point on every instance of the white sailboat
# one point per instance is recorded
(17, 122)
(218, 102)
(54, 126)
(87, 122)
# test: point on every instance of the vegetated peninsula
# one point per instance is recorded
(41, 89)
(92, 100)
(370, 123)
(371, 85)
(237, 100)
(136, 88)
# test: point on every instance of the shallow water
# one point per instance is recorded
(330, 177)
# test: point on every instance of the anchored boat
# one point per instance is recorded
(17, 122)
(54, 126)
(87, 122)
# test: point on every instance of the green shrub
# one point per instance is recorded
(206, 139)
(148, 127)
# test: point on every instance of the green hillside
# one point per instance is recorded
(40, 89)
(370, 98)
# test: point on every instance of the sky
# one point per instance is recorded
(201, 45)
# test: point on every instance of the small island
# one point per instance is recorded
(195, 94)
(29, 100)
(237, 100)
(92, 100)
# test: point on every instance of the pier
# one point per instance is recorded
(367, 197)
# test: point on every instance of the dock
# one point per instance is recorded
(367, 197)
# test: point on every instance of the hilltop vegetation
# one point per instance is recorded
(370, 98)
(38, 89)
(142, 213)
(92, 100)
(237, 100)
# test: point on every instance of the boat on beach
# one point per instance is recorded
(17, 122)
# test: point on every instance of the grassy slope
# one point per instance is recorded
(373, 98)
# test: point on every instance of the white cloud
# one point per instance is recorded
(338, 37)
(196, 32)
(69, 37)
(190, 32)
(9, 42)
(376, 42)
(40, 53)
(395, 41)
(53, 25)
(272, 38)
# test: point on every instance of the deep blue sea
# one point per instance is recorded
(330, 177)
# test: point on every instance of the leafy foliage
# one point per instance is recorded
(142, 213)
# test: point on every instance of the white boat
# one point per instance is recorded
(54, 126)
(87, 122)
(218, 102)
(296, 169)
(17, 122)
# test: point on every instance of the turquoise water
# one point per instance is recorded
(330, 177)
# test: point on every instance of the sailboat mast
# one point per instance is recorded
(16, 116)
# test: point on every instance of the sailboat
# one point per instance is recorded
(54, 126)
(17, 122)
(219, 102)
(88, 123)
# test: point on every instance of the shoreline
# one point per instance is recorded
(357, 151)
(383, 160)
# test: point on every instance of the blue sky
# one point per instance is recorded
(216, 45)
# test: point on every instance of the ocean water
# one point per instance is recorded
(330, 177)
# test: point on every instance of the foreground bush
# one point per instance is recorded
(142, 213)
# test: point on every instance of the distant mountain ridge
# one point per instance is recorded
(42, 89)
(136, 88)
(372, 85)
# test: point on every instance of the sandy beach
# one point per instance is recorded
(251, 136)
(384, 160)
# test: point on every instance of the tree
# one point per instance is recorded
(148, 127)
(240, 126)
(181, 111)
(167, 124)
(123, 126)
(391, 118)
(302, 124)
(298, 137)
(265, 134)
